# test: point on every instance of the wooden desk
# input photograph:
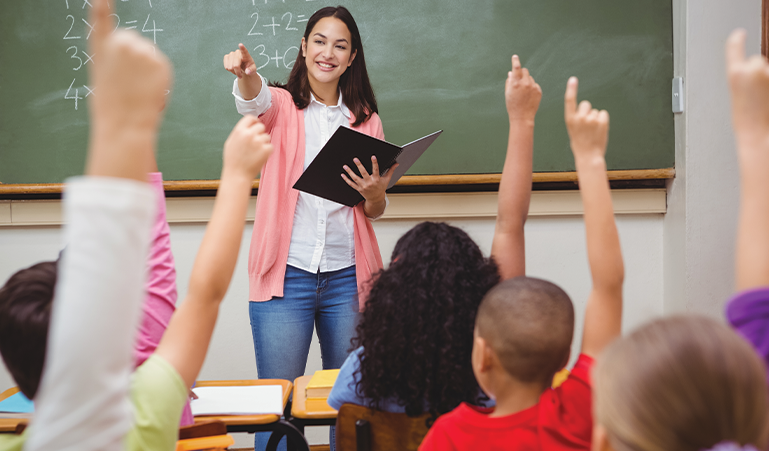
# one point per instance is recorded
(301, 416)
(9, 424)
(259, 423)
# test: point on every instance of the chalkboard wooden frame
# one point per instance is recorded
(465, 181)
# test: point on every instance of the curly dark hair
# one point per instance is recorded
(417, 328)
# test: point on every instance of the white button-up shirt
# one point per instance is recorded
(322, 238)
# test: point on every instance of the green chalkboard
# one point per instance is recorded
(434, 64)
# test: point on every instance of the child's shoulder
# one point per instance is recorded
(582, 369)
(12, 442)
(565, 413)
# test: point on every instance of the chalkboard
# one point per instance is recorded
(434, 64)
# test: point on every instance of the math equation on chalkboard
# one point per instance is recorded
(270, 29)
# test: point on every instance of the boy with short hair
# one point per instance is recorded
(524, 328)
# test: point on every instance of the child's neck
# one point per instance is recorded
(325, 93)
(513, 396)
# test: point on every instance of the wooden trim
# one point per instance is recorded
(412, 206)
(409, 180)
(764, 27)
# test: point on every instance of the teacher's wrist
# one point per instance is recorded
(374, 208)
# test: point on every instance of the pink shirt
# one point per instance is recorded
(160, 298)
(277, 200)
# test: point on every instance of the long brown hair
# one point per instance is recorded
(682, 383)
(354, 83)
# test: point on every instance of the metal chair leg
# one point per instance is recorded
(295, 439)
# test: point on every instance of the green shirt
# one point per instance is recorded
(158, 395)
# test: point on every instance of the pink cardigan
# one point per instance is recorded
(276, 203)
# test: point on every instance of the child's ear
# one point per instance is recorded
(600, 439)
(304, 48)
(486, 355)
(352, 57)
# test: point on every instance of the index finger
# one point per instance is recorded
(102, 23)
(570, 99)
(735, 48)
(517, 73)
(244, 50)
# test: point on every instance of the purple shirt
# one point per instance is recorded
(748, 313)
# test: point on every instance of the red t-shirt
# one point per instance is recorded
(562, 420)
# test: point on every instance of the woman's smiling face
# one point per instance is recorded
(328, 51)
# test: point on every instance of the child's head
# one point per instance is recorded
(527, 324)
(680, 384)
(417, 327)
(25, 313)
(331, 36)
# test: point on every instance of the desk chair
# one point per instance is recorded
(359, 428)
(210, 435)
(259, 423)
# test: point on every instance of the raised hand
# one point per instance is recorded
(749, 83)
(372, 187)
(247, 148)
(522, 93)
(589, 132)
(522, 96)
(130, 75)
(240, 62)
(130, 79)
(588, 128)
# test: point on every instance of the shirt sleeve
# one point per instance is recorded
(344, 390)
(158, 394)
(160, 298)
(565, 413)
(83, 401)
(748, 313)
(256, 106)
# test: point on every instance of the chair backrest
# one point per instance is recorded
(359, 428)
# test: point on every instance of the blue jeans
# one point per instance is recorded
(282, 327)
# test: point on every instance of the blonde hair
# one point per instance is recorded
(681, 384)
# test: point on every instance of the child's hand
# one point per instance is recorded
(588, 128)
(522, 93)
(749, 83)
(240, 62)
(247, 148)
(130, 76)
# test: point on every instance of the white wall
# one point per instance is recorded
(700, 225)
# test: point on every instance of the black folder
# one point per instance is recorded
(323, 176)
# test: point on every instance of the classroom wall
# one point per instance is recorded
(679, 261)
(700, 225)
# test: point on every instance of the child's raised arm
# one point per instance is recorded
(589, 130)
(185, 342)
(82, 403)
(130, 79)
(749, 83)
(522, 96)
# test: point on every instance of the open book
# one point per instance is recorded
(323, 176)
